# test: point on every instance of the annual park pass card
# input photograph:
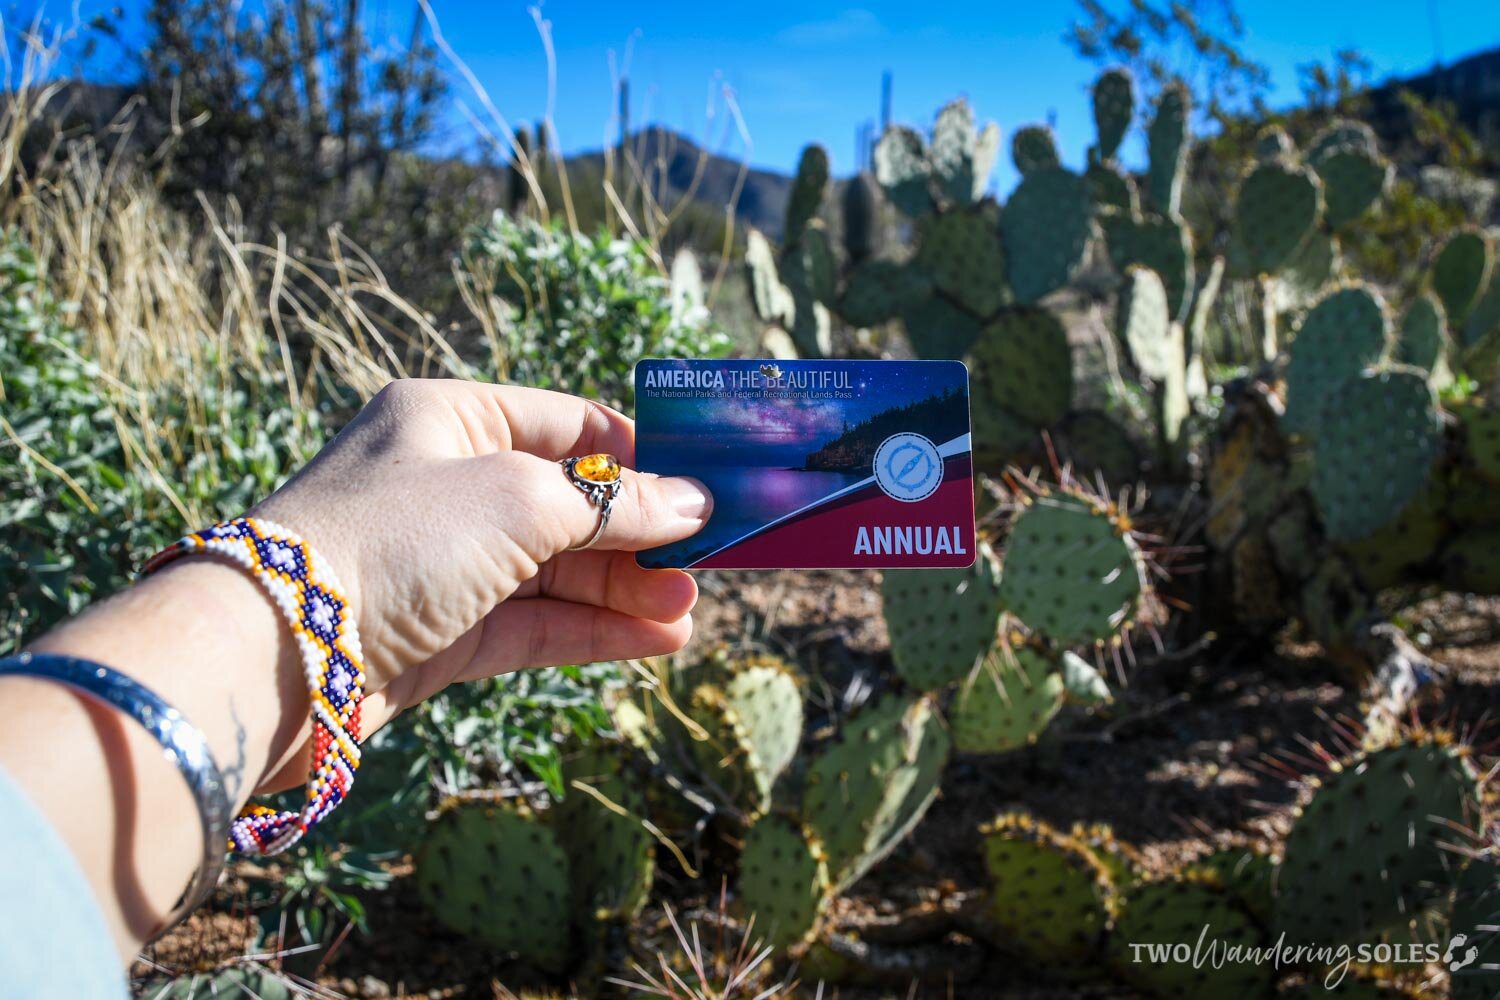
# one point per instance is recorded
(813, 464)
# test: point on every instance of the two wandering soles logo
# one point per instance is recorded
(1209, 952)
(908, 467)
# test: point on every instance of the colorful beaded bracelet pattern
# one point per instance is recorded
(304, 588)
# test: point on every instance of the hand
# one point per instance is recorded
(444, 513)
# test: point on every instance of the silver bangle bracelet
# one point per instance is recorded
(182, 744)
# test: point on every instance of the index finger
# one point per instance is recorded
(552, 425)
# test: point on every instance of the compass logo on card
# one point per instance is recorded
(908, 467)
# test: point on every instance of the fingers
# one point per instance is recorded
(613, 580)
(543, 632)
(547, 424)
(647, 511)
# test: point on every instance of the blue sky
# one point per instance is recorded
(811, 71)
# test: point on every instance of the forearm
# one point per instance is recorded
(203, 637)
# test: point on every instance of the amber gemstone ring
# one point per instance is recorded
(598, 478)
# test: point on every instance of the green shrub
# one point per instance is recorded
(98, 475)
(583, 310)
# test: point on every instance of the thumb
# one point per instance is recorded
(645, 511)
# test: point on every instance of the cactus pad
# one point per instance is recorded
(1111, 189)
(870, 785)
(902, 169)
(1469, 563)
(1049, 896)
(1034, 148)
(492, 872)
(808, 266)
(1365, 852)
(1094, 444)
(1046, 227)
(1374, 446)
(878, 290)
(1114, 106)
(1070, 573)
(1460, 271)
(806, 197)
(962, 156)
(939, 329)
(942, 622)
(1342, 335)
(961, 252)
(1162, 245)
(1423, 342)
(1276, 210)
(1384, 558)
(1476, 915)
(1352, 180)
(1342, 133)
(1009, 703)
(609, 854)
(783, 881)
(1022, 364)
(1145, 323)
(773, 301)
(1245, 874)
(1481, 425)
(766, 698)
(1166, 147)
(1272, 143)
(1175, 912)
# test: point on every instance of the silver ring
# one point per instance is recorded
(597, 477)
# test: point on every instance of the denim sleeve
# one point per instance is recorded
(53, 940)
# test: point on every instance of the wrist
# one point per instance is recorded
(234, 671)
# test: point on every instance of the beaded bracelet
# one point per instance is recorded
(304, 588)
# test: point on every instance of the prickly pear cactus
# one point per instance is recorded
(765, 695)
(610, 852)
(1008, 703)
(902, 169)
(1481, 435)
(1073, 573)
(1346, 332)
(1034, 148)
(783, 881)
(491, 871)
(1475, 918)
(1094, 444)
(1374, 446)
(880, 290)
(1277, 208)
(808, 185)
(1145, 323)
(962, 155)
(1119, 858)
(1049, 897)
(1423, 341)
(867, 788)
(1365, 852)
(1354, 178)
(1167, 147)
(1114, 106)
(1460, 271)
(937, 328)
(1020, 366)
(1175, 912)
(961, 252)
(1046, 226)
(942, 623)
(1163, 245)
(746, 713)
(1246, 874)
